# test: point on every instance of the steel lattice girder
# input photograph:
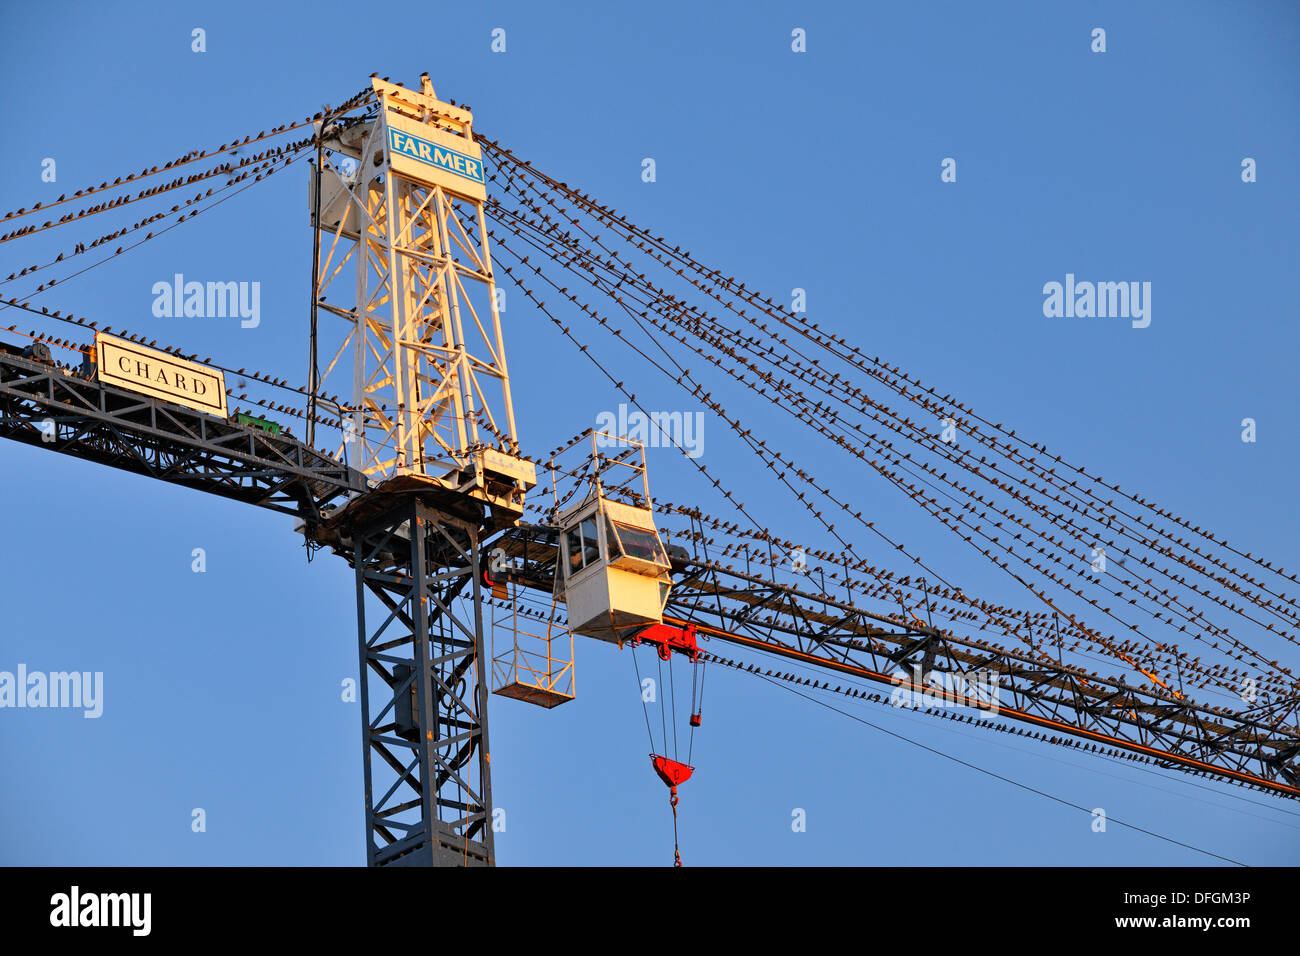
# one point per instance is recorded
(818, 630)
(428, 366)
(1057, 697)
(425, 742)
(122, 429)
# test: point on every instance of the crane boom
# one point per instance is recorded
(815, 629)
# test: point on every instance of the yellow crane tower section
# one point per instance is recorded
(404, 263)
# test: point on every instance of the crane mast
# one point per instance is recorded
(401, 235)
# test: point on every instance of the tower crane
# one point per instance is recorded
(466, 586)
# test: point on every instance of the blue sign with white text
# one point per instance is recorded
(440, 157)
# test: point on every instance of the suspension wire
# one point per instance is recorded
(683, 378)
(640, 693)
(798, 397)
(1100, 639)
(193, 156)
(1113, 754)
(690, 749)
(672, 687)
(632, 398)
(259, 166)
(562, 290)
(832, 344)
(583, 349)
(769, 457)
(1213, 597)
(1048, 626)
(286, 161)
(1109, 754)
(260, 159)
(998, 776)
(659, 690)
(677, 852)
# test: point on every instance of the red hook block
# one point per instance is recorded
(671, 772)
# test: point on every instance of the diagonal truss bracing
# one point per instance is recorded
(1254, 748)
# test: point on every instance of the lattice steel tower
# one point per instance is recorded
(403, 238)
(402, 259)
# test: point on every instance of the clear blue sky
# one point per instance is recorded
(817, 170)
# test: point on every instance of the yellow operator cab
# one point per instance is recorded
(613, 569)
